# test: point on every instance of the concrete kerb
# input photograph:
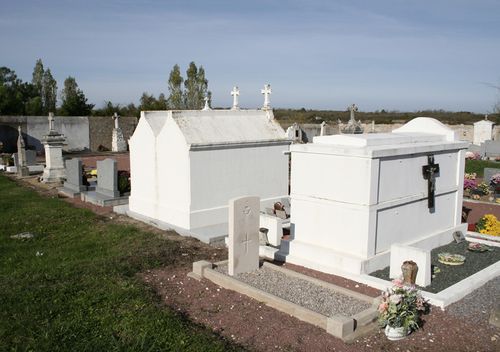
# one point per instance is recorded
(339, 326)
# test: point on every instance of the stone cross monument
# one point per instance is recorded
(267, 92)
(207, 105)
(22, 168)
(235, 93)
(53, 143)
(353, 126)
(118, 143)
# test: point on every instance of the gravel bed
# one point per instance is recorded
(301, 292)
(449, 275)
(477, 306)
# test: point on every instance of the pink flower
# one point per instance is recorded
(383, 307)
(397, 282)
(395, 299)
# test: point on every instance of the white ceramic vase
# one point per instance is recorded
(395, 334)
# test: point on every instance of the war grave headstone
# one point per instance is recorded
(73, 185)
(243, 235)
(106, 192)
(402, 187)
(53, 142)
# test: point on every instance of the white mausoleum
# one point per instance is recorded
(187, 165)
(352, 196)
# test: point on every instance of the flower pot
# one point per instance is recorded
(395, 334)
(409, 269)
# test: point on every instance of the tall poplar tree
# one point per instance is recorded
(74, 102)
(175, 99)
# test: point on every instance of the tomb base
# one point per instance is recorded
(53, 174)
(343, 264)
(103, 200)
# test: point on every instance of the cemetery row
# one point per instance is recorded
(357, 203)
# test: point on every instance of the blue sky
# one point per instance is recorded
(394, 55)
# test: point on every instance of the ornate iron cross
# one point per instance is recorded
(429, 171)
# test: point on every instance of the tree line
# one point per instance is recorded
(39, 97)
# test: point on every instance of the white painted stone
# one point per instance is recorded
(186, 165)
(346, 221)
(401, 253)
(483, 131)
(235, 93)
(274, 225)
(243, 235)
(266, 92)
(54, 170)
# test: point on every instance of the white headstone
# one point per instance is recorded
(266, 91)
(243, 235)
(235, 93)
(483, 131)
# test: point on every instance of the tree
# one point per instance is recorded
(49, 96)
(11, 102)
(74, 102)
(191, 94)
(45, 88)
(175, 100)
(149, 102)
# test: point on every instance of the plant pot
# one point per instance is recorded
(395, 334)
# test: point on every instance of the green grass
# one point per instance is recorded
(83, 293)
(478, 166)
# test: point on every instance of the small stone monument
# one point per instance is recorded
(294, 133)
(266, 92)
(207, 105)
(22, 166)
(353, 126)
(107, 178)
(323, 129)
(243, 235)
(235, 93)
(53, 143)
(118, 143)
(73, 185)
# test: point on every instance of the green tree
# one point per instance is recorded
(149, 102)
(191, 94)
(175, 100)
(49, 95)
(11, 100)
(45, 91)
(74, 102)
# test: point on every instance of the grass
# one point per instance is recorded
(81, 292)
(478, 166)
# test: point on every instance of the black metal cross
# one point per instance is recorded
(429, 171)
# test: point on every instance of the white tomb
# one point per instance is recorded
(483, 131)
(186, 166)
(353, 196)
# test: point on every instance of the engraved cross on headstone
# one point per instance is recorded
(266, 91)
(235, 93)
(430, 171)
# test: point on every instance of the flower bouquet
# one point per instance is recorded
(451, 259)
(488, 225)
(478, 247)
(400, 310)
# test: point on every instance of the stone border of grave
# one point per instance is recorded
(345, 328)
(447, 296)
(472, 236)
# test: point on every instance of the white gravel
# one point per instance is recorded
(304, 293)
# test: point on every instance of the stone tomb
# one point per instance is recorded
(53, 143)
(73, 185)
(483, 131)
(187, 165)
(106, 192)
(243, 235)
(353, 196)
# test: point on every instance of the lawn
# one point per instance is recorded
(74, 286)
(478, 166)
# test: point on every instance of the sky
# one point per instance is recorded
(386, 54)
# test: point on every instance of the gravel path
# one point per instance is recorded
(477, 305)
(301, 292)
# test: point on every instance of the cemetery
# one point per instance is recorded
(328, 248)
